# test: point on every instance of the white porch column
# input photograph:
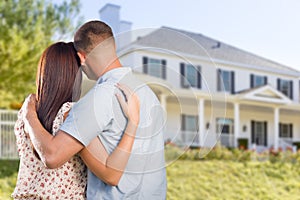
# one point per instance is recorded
(201, 122)
(163, 101)
(276, 129)
(236, 123)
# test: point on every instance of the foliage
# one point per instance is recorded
(297, 144)
(27, 27)
(209, 179)
(8, 177)
(243, 143)
(173, 153)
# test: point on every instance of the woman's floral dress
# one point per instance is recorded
(35, 181)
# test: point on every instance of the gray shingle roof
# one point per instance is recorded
(195, 44)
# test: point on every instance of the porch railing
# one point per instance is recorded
(191, 139)
(8, 148)
(286, 143)
(227, 140)
(187, 139)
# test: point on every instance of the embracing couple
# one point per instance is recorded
(115, 129)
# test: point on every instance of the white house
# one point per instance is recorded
(212, 91)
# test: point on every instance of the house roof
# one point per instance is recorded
(196, 44)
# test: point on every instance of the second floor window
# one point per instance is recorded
(154, 67)
(225, 81)
(190, 75)
(286, 87)
(256, 80)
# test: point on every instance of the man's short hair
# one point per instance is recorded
(90, 34)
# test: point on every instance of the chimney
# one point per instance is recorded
(110, 14)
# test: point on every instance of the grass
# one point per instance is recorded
(209, 180)
(8, 177)
(216, 179)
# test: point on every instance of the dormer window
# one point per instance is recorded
(190, 75)
(154, 67)
(286, 87)
(256, 80)
(225, 81)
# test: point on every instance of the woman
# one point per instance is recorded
(58, 83)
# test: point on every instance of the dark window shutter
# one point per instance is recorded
(252, 132)
(182, 77)
(197, 124)
(183, 127)
(199, 77)
(219, 80)
(183, 122)
(251, 80)
(265, 133)
(280, 130)
(164, 69)
(265, 80)
(291, 89)
(291, 130)
(232, 83)
(145, 65)
(278, 84)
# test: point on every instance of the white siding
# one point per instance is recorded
(208, 71)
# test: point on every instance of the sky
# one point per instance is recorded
(268, 28)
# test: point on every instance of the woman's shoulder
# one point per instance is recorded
(61, 114)
(66, 107)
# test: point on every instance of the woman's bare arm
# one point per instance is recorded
(110, 168)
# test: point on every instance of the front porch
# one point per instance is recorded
(261, 118)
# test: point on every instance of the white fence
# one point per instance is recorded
(8, 148)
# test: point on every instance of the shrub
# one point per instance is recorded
(243, 143)
(297, 144)
(173, 152)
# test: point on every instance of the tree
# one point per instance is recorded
(27, 27)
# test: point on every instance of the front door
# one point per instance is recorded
(259, 133)
(225, 127)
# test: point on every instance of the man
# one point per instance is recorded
(96, 115)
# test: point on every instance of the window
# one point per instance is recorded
(154, 67)
(190, 75)
(225, 126)
(189, 122)
(285, 130)
(189, 126)
(225, 81)
(256, 80)
(286, 87)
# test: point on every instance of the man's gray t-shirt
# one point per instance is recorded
(98, 114)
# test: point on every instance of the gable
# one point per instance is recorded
(265, 94)
(268, 94)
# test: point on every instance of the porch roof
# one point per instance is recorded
(262, 96)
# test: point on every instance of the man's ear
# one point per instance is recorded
(82, 56)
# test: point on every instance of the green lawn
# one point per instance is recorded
(8, 177)
(216, 179)
(211, 179)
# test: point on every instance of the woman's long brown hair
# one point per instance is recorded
(58, 81)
